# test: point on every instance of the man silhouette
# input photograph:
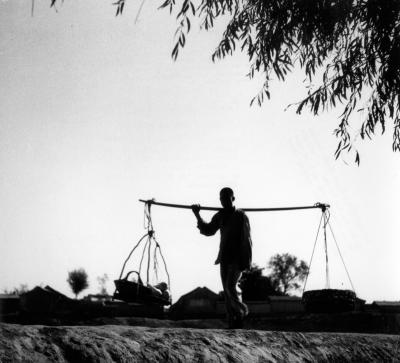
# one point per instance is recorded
(234, 251)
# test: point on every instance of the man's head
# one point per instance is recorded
(226, 197)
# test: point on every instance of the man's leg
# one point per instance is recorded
(230, 275)
(228, 305)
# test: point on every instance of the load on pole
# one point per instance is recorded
(328, 299)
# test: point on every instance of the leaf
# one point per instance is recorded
(193, 8)
(175, 51)
(188, 24)
(357, 158)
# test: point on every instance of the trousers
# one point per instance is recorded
(230, 276)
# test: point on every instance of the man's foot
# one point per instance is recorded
(245, 311)
(236, 323)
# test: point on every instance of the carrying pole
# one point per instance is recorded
(182, 206)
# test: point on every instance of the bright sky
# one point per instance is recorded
(95, 115)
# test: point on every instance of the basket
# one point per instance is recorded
(136, 292)
(329, 301)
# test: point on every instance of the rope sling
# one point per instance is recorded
(324, 222)
(328, 300)
(137, 291)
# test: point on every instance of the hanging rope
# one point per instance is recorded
(150, 242)
(148, 262)
(148, 223)
(130, 254)
(326, 216)
(143, 253)
(340, 254)
(165, 264)
(155, 263)
(312, 254)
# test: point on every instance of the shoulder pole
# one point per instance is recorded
(321, 206)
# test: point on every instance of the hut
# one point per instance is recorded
(386, 306)
(200, 303)
(9, 305)
(44, 300)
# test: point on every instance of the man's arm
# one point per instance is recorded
(245, 245)
(196, 211)
(208, 229)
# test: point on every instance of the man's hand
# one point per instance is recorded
(196, 209)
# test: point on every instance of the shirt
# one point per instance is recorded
(235, 245)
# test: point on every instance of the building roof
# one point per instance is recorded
(47, 290)
(387, 303)
(198, 293)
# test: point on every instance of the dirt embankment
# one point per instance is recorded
(111, 343)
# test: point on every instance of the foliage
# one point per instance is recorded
(78, 281)
(355, 44)
(17, 290)
(102, 280)
(255, 286)
(349, 48)
(287, 272)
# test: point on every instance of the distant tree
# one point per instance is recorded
(78, 281)
(287, 272)
(17, 290)
(256, 286)
(102, 280)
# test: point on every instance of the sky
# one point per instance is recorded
(95, 115)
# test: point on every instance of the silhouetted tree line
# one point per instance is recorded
(287, 272)
(22, 288)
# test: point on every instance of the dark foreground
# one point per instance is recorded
(117, 343)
